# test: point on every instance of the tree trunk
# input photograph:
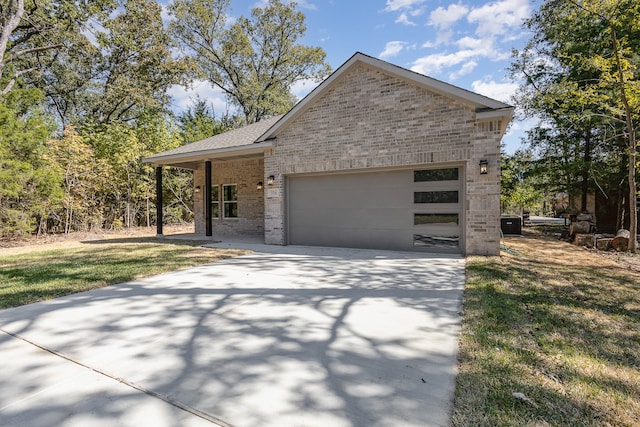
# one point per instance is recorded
(631, 141)
(604, 244)
(584, 240)
(585, 170)
(579, 227)
(621, 242)
(148, 213)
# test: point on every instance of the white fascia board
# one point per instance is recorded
(209, 154)
(495, 114)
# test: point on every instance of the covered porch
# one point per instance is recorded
(228, 183)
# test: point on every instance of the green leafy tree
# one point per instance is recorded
(581, 78)
(82, 174)
(29, 186)
(127, 184)
(33, 32)
(199, 122)
(122, 74)
(520, 187)
(255, 60)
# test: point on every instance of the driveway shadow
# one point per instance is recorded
(309, 337)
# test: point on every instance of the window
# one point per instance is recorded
(215, 201)
(449, 174)
(230, 200)
(429, 241)
(435, 197)
(434, 218)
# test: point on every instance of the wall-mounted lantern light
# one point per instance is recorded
(197, 189)
(271, 180)
(484, 167)
(259, 186)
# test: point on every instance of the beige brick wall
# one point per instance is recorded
(246, 174)
(370, 120)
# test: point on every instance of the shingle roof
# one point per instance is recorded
(246, 135)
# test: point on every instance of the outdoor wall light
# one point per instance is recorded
(484, 167)
(271, 180)
(197, 189)
(259, 186)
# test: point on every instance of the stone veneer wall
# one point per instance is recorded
(370, 120)
(246, 174)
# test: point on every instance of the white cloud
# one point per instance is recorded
(392, 49)
(498, 17)
(394, 5)
(433, 64)
(467, 68)
(445, 18)
(404, 19)
(182, 97)
(471, 51)
(499, 91)
(306, 4)
(444, 37)
(471, 43)
(301, 88)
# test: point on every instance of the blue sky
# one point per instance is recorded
(465, 43)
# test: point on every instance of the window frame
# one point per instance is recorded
(215, 201)
(229, 203)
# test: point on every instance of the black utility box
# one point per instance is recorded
(511, 225)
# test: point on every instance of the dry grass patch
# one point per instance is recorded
(557, 323)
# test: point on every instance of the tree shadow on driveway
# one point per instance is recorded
(342, 338)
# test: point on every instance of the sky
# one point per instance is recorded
(465, 43)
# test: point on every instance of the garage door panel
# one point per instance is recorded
(392, 219)
(368, 210)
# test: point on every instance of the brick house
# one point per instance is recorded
(376, 156)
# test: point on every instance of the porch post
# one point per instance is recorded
(159, 201)
(207, 198)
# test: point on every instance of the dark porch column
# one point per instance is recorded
(207, 198)
(159, 200)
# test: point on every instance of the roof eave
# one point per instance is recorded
(506, 112)
(209, 154)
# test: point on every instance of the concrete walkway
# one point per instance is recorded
(286, 336)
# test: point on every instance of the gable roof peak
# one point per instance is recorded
(479, 102)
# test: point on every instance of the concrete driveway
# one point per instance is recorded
(286, 336)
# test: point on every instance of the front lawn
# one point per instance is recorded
(42, 273)
(551, 336)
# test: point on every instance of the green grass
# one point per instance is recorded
(46, 274)
(561, 328)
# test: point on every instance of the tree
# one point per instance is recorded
(624, 76)
(82, 174)
(29, 186)
(200, 122)
(581, 76)
(124, 73)
(32, 31)
(519, 186)
(256, 60)
(127, 185)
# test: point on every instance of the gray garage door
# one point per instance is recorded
(402, 210)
